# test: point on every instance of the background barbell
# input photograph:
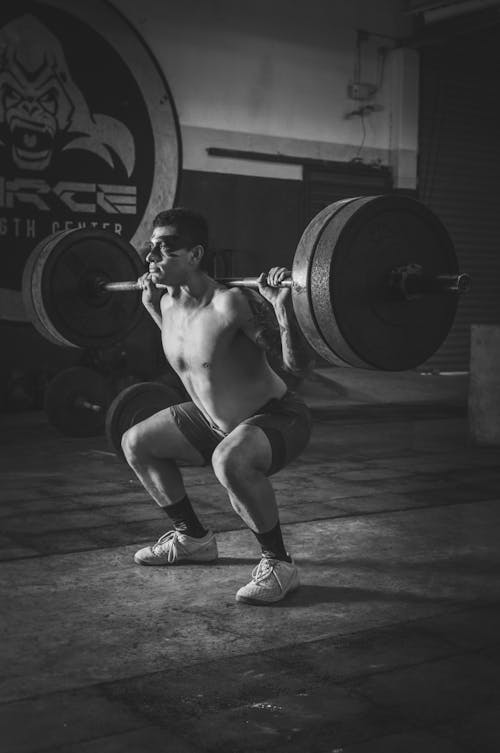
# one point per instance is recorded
(76, 401)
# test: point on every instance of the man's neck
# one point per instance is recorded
(195, 291)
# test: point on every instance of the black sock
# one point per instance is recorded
(185, 519)
(272, 544)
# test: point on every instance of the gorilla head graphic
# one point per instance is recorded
(39, 101)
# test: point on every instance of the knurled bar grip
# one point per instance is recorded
(245, 282)
(253, 282)
(119, 286)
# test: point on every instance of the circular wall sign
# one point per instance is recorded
(89, 135)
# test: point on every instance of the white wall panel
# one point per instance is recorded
(278, 70)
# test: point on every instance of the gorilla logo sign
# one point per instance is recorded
(40, 100)
(88, 129)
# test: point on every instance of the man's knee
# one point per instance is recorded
(132, 445)
(157, 439)
(229, 463)
(137, 444)
(237, 458)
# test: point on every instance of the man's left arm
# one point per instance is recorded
(296, 353)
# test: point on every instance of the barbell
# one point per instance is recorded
(81, 402)
(75, 401)
(375, 284)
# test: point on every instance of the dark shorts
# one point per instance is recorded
(286, 422)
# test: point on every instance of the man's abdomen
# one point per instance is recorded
(232, 390)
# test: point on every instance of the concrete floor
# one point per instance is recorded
(391, 645)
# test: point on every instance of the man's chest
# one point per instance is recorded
(193, 341)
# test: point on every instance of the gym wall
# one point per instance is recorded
(265, 78)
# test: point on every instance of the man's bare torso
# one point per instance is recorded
(225, 373)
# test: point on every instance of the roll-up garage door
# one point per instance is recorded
(459, 172)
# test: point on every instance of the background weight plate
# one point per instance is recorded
(135, 404)
(35, 315)
(60, 281)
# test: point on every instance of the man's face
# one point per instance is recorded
(171, 258)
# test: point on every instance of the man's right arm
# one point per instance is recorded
(151, 298)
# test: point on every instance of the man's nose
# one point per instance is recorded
(152, 255)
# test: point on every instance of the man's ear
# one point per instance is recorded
(198, 252)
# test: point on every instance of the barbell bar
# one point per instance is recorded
(375, 284)
(407, 281)
(244, 282)
(75, 402)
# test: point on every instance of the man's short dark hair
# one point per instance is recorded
(190, 225)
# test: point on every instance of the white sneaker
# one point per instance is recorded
(174, 547)
(271, 581)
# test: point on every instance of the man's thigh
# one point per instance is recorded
(162, 437)
(287, 427)
(245, 445)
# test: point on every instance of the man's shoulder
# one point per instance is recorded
(230, 300)
(247, 307)
(166, 301)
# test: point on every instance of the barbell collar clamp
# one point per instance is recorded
(410, 283)
(460, 283)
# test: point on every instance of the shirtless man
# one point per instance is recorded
(241, 417)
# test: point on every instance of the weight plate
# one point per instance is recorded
(302, 293)
(354, 255)
(75, 402)
(59, 287)
(40, 323)
(135, 404)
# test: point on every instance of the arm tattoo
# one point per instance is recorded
(280, 337)
(296, 355)
(268, 334)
